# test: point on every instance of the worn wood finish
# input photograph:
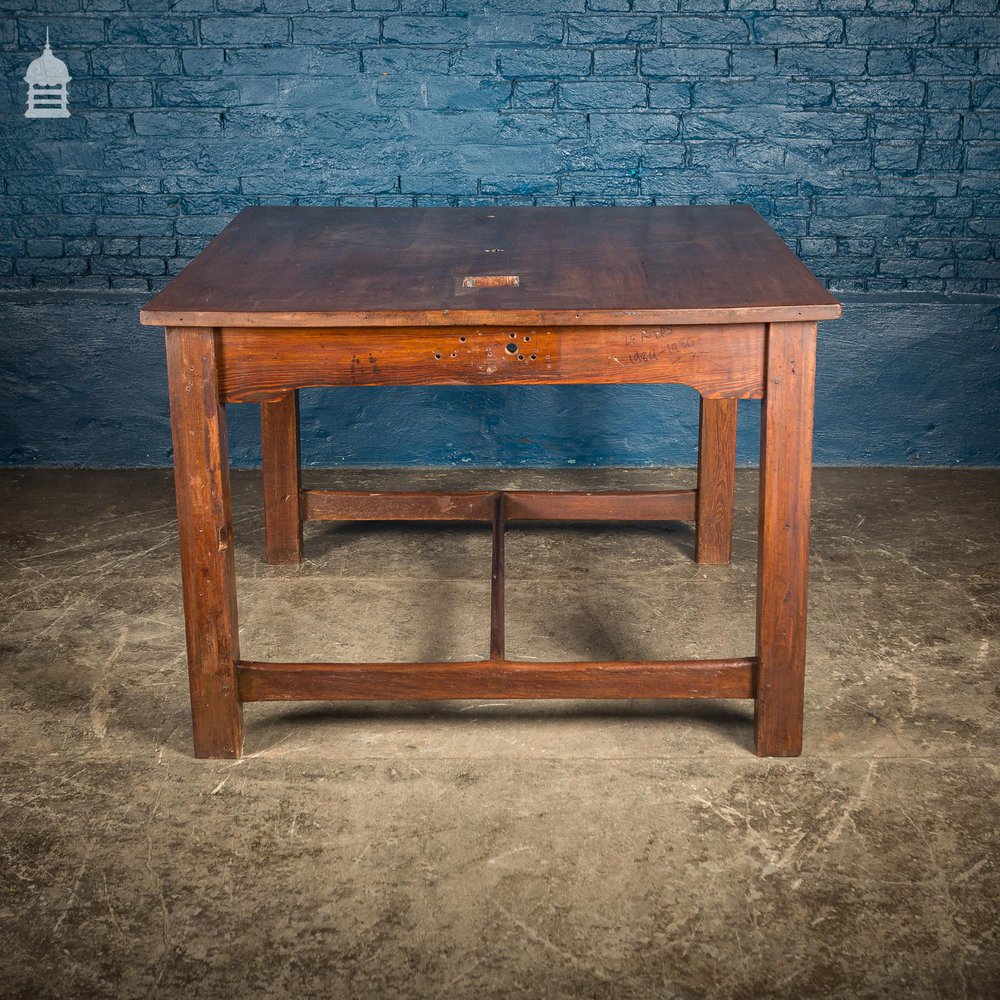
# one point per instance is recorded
(653, 505)
(350, 505)
(716, 481)
(501, 679)
(204, 520)
(497, 590)
(716, 361)
(519, 505)
(783, 538)
(707, 297)
(392, 267)
(280, 464)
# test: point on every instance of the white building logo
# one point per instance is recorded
(48, 92)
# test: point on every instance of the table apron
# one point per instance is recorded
(260, 364)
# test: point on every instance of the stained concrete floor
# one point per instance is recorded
(501, 849)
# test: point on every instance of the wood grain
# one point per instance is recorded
(716, 361)
(204, 521)
(783, 538)
(391, 267)
(352, 505)
(519, 505)
(281, 467)
(497, 586)
(716, 481)
(657, 505)
(501, 679)
(706, 296)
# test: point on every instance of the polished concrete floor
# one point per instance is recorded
(565, 849)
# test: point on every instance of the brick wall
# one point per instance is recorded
(867, 131)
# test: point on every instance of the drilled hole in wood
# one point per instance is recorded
(520, 357)
(534, 357)
(512, 348)
(438, 356)
(526, 339)
(462, 339)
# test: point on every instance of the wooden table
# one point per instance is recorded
(708, 297)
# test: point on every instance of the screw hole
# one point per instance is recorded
(513, 336)
(526, 339)
(437, 355)
(512, 348)
(534, 357)
(462, 339)
(520, 357)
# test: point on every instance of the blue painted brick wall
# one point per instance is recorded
(867, 131)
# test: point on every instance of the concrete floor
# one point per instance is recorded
(501, 849)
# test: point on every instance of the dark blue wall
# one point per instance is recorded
(866, 131)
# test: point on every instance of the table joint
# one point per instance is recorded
(519, 505)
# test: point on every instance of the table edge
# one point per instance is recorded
(507, 317)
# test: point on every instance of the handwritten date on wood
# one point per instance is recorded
(645, 340)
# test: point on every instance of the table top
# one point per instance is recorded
(299, 266)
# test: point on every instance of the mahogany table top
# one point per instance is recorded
(566, 266)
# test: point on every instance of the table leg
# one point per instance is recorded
(279, 445)
(783, 538)
(204, 518)
(716, 481)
